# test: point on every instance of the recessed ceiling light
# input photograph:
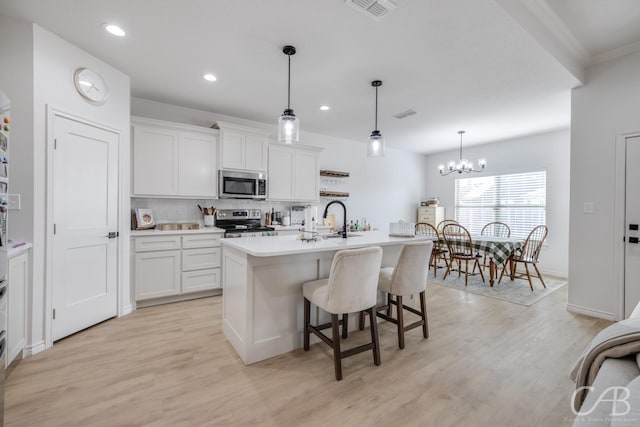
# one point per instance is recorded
(209, 77)
(114, 29)
(325, 108)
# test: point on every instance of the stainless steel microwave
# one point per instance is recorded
(242, 185)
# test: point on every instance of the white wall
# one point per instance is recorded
(549, 152)
(381, 189)
(16, 80)
(608, 105)
(54, 62)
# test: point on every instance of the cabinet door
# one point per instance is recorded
(154, 170)
(16, 299)
(232, 150)
(157, 274)
(281, 176)
(255, 153)
(306, 176)
(197, 165)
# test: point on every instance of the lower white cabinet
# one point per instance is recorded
(175, 265)
(16, 305)
(157, 274)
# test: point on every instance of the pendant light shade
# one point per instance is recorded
(288, 123)
(375, 146)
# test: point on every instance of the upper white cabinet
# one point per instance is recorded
(171, 159)
(293, 172)
(242, 148)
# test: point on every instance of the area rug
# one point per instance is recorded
(516, 291)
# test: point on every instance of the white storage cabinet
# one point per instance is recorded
(16, 305)
(431, 214)
(176, 265)
(242, 148)
(293, 173)
(173, 160)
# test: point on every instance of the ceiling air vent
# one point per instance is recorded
(374, 9)
(405, 114)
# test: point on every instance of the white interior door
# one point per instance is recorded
(632, 223)
(84, 258)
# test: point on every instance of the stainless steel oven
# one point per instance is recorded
(242, 185)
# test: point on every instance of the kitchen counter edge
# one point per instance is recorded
(156, 232)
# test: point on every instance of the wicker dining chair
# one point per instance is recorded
(460, 248)
(438, 252)
(528, 255)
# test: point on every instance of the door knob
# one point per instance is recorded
(113, 234)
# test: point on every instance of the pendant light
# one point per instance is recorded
(375, 147)
(288, 123)
(462, 165)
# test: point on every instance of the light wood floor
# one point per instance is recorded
(486, 363)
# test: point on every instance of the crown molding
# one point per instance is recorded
(615, 53)
(543, 24)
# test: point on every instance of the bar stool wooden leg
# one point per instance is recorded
(400, 321)
(337, 360)
(374, 336)
(361, 321)
(388, 304)
(307, 321)
(423, 309)
(345, 325)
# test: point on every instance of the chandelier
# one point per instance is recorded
(462, 165)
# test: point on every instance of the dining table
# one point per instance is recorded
(497, 249)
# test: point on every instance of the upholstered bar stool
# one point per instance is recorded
(350, 288)
(409, 277)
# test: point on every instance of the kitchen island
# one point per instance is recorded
(262, 281)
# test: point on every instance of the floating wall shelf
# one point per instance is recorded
(334, 174)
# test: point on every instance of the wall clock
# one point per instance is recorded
(91, 85)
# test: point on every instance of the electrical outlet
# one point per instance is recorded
(13, 201)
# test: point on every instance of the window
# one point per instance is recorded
(519, 200)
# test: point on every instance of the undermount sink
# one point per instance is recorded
(335, 235)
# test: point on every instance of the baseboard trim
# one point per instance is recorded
(127, 309)
(556, 274)
(178, 298)
(33, 349)
(590, 312)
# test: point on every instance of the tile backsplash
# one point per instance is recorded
(183, 210)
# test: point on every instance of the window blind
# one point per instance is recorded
(518, 200)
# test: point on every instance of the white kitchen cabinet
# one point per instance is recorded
(157, 274)
(431, 214)
(173, 160)
(171, 267)
(16, 305)
(293, 173)
(242, 148)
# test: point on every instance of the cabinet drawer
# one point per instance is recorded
(201, 280)
(426, 218)
(201, 241)
(157, 243)
(199, 259)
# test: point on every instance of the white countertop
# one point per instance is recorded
(16, 248)
(290, 245)
(157, 232)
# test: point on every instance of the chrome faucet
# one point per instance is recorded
(326, 210)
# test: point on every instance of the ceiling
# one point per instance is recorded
(461, 64)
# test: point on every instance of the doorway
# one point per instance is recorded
(83, 203)
(631, 224)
